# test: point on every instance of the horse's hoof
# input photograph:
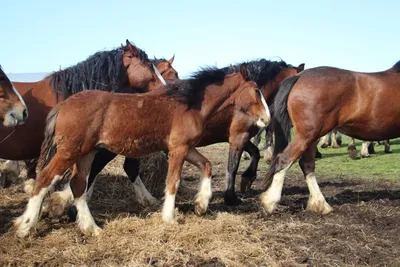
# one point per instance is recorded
(28, 186)
(199, 210)
(318, 155)
(324, 145)
(319, 207)
(245, 183)
(91, 231)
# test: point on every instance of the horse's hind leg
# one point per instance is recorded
(387, 146)
(280, 165)
(250, 174)
(334, 139)
(316, 202)
(64, 199)
(47, 177)
(351, 149)
(324, 143)
(205, 192)
(78, 184)
(31, 175)
(269, 138)
(364, 150)
(143, 196)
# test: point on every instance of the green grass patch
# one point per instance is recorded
(336, 162)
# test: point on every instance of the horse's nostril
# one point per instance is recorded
(25, 114)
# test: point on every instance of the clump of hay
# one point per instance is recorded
(153, 172)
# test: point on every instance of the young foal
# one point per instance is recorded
(365, 106)
(179, 114)
(13, 110)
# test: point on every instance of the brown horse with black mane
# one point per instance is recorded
(13, 111)
(136, 125)
(365, 106)
(126, 69)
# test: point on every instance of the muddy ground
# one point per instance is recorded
(363, 230)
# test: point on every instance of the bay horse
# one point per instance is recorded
(136, 125)
(126, 69)
(227, 125)
(365, 106)
(13, 111)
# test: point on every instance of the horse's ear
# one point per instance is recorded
(232, 68)
(300, 68)
(171, 59)
(132, 48)
(244, 71)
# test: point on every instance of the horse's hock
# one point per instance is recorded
(153, 172)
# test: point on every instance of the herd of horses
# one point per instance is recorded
(119, 102)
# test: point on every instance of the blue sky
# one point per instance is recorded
(361, 35)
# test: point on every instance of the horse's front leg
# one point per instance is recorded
(176, 157)
(250, 175)
(236, 145)
(143, 196)
(204, 195)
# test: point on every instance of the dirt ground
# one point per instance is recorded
(363, 230)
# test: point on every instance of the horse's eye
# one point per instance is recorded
(2, 78)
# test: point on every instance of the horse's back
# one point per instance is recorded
(355, 102)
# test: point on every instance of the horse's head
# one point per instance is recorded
(250, 100)
(142, 74)
(165, 68)
(13, 110)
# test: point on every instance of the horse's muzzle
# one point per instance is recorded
(16, 116)
(262, 122)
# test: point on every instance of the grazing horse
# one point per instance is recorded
(136, 125)
(125, 69)
(13, 111)
(227, 125)
(365, 106)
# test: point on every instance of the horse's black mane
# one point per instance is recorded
(396, 66)
(261, 71)
(157, 61)
(191, 91)
(103, 70)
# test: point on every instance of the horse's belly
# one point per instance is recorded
(373, 133)
(134, 147)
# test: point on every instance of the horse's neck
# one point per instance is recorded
(269, 89)
(216, 97)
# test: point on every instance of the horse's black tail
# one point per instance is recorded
(49, 146)
(281, 123)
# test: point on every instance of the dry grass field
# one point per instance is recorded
(363, 230)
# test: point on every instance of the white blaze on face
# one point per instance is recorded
(19, 96)
(262, 123)
(159, 75)
(265, 105)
